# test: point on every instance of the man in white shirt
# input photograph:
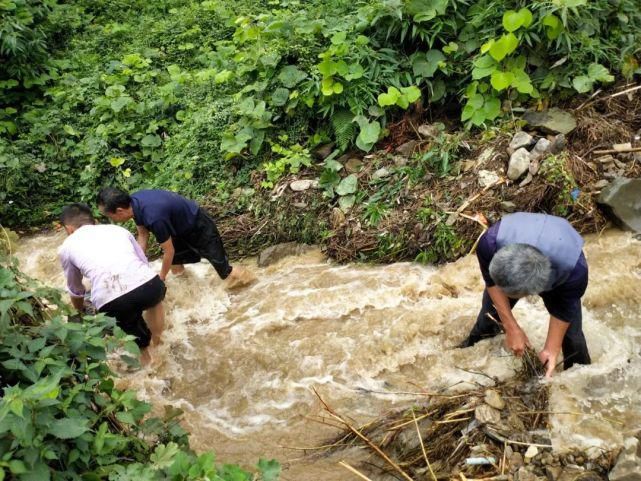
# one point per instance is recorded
(122, 283)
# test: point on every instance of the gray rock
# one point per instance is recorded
(323, 151)
(485, 414)
(541, 149)
(353, 165)
(524, 475)
(553, 472)
(301, 185)
(488, 177)
(400, 161)
(606, 159)
(381, 174)
(519, 164)
(530, 453)
(507, 206)
(527, 180)
(515, 461)
(600, 184)
(493, 399)
(533, 169)
(628, 465)
(558, 144)
(428, 130)
(554, 121)
(273, 254)
(408, 148)
(520, 139)
(622, 200)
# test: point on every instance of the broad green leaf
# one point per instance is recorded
(327, 68)
(501, 80)
(327, 86)
(163, 455)
(389, 98)
(425, 65)
(151, 140)
(116, 161)
(222, 77)
(368, 135)
(599, 73)
(513, 20)
(504, 47)
(290, 76)
(355, 72)
(438, 91)
(68, 428)
(527, 17)
(280, 97)
(467, 112)
(413, 93)
(492, 108)
(554, 26)
(70, 130)
(120, 103)
(17, 467)
(483, 67)
(522, 81)
(16, 407)
(426, 10)
(582, 84)
(337, 87)
(349, 185)
(270, 470)
(346, 202)
(476, 101)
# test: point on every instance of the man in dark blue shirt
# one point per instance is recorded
(526, 254)
(185, 232)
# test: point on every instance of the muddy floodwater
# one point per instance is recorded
(242, 364)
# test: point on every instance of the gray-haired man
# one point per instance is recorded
(526, 254)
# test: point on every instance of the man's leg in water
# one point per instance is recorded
(485, 327)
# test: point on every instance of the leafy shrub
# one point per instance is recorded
(61, 417)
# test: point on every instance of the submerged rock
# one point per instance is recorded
(273, 254)
(519, 164)
(555, 121)
(622, 200)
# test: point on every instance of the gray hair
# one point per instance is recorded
(520, 269)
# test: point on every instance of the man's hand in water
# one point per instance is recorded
(516, 340)
(548, 358)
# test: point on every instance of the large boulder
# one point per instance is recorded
(553, 121)
(273, 254)
(628, 465)
(622, 200)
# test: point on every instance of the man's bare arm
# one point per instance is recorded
(167, 257)
(143, 237)
(515, 339)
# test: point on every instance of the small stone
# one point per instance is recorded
(408, 148)
(619, 164)
(534, 167)
(541, 149)
(628, 464)
(515, 423)
(558, 144)
(555, 121)
(531, 452)
(515, 461)
(301, 185)
(493, 399)
(380, 174)
(507, 206)
(353, 165)
(484, 156)
(622, 147)
(525, 475)
(400, 161)
(519, 164)
(520, 139)
(428, 130)
(553, 472)
(527, 180)
(600, 184)
(488, 177)
(337, 218)
(606, 159)
(323, 151)
(300, 205)
(487, 415)
(580, 460)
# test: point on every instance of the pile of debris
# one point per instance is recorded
(496, 433)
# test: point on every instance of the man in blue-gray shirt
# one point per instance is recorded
(526, 254)
(185, 232)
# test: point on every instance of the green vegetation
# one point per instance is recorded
(206, 96)
(61, 418)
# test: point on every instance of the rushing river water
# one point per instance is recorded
(242, 364)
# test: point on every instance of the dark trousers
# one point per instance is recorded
(127, 309)
(575, 349)
(203, 240)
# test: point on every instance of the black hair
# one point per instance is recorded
(76, 215)
(111, 198)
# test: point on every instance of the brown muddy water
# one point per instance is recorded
(242, 365)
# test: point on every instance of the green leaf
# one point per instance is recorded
(337, 87)
(413, 93)
(389, 98)
(349, 185)
(501, 80)
(504, 47)
(163, 455)
(599, 73)
(120, 103)
(425, 65)
(116, 161)
(492, 108)
(16, 407)
(68, 428)
(327, 86)
(290, 76)
(426, 10)
(483, 67)
(346, 202)
(368, 135)
(269, 470)
(17, 467)
(280, 97)
(522, 81)
(582, 84)
(438, 90)
(355, 72)
(513, 20)
(476, 101)
(151, 140)
(554, 26)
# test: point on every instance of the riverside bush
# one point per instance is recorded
(190, 95)
(61, 416)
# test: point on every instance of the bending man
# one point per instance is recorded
(185, 232)
(526, 254)
(122, 283)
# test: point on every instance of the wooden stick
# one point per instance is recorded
(354, 470)
(363, 437)
(615, 151)
(418, 432)
(618, 94)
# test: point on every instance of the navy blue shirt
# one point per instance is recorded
(164, 213)
(563, 301)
